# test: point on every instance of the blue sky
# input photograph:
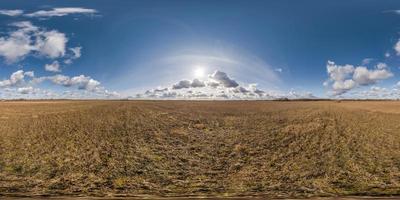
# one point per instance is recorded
(155, 49)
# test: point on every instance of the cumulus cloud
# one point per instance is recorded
(196, 83)
(58, 12)
(337, 72)
(82, 82)
(340, 87)
(363, 76)
(347, 77)
(25, 90)
(182, 84)
(217, 86)
(16, 78)
(25, 83)
(53, 67)
(18, 43)
(28, 38)
(12, 13)
(222, 78)
(52, 44)
(340, 76)
(381, 65)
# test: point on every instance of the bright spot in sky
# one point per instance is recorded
(199, 72)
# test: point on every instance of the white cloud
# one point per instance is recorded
(375, 92)
(82, 82)
(340, 87)
(85, 82)
(213, 84)
(28, 38)
(347, 77)
(300, 95)
(16, 79)
(24, 83)
(381, 65)
(18, 43)
(240, 89)
(217, 86)
(182, 84)
(53, 67)
(280, 70)
(60, 80)
(337, 72)
(25, 26)
(363, 76)
(339, 76)
(76, 53)
(196, 83)
(52, 44)
(222, 78)
(397, 47)
(11, 13)
(30, 74)
(58, 12)
(25, 90)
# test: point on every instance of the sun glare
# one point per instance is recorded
(199, 72)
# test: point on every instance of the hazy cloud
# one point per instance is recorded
(75, 53)
(366, 61)
(58, 12)
(397, 47)
(11, 13)
(381, 65)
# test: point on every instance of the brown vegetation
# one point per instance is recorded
(178, 148)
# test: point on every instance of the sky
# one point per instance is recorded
(225, 49)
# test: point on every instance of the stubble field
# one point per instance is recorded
(200, 148)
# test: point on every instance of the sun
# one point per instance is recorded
(199, 72)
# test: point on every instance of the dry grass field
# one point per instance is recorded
(183, 148)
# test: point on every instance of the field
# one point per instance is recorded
(200, 148)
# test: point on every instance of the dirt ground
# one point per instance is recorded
(275, 149)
